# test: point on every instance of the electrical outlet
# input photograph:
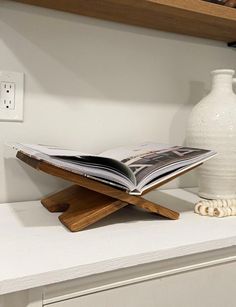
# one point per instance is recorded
(11, 96)
(7, 90)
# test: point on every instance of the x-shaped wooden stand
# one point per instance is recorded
(88, 201)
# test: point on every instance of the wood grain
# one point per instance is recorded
(191, 17)
(88, 201)
(82, 207)
(98, 187)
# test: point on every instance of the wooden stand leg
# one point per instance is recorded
(60, 201)
(154, 208)
(82, 207)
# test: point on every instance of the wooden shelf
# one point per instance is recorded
(191, 17)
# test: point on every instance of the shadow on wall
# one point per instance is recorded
(170, 201)
(197, 90)
(39, 183)
(70, 57)
(97, 59)
(196, 93)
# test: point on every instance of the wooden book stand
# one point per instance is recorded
(88, 201)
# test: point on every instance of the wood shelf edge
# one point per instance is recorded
(188, 17)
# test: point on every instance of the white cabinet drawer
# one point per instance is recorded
(208, 287)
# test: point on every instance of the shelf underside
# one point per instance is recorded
(190, 17)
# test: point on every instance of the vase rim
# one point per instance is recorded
(223, 71)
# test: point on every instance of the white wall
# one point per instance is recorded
(92, 84)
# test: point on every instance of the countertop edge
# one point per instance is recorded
(47, 278)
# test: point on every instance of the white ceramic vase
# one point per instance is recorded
(212, 125)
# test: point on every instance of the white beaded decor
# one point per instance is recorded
(216, 207)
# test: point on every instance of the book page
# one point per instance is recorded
(149, 158)
(132, 167)
(51, 150)
(130, 152)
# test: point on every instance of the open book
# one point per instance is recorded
(132, 168)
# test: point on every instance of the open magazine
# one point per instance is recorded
(133, 168)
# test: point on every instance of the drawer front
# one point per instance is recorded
(208, 287)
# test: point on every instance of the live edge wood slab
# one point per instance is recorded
(88, 201)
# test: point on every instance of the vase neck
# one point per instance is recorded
(222, 82)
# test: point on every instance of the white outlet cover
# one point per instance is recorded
(7, 95)
(15, 114)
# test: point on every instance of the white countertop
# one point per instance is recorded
(37, 250)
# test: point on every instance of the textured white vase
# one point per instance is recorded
(212, 125)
